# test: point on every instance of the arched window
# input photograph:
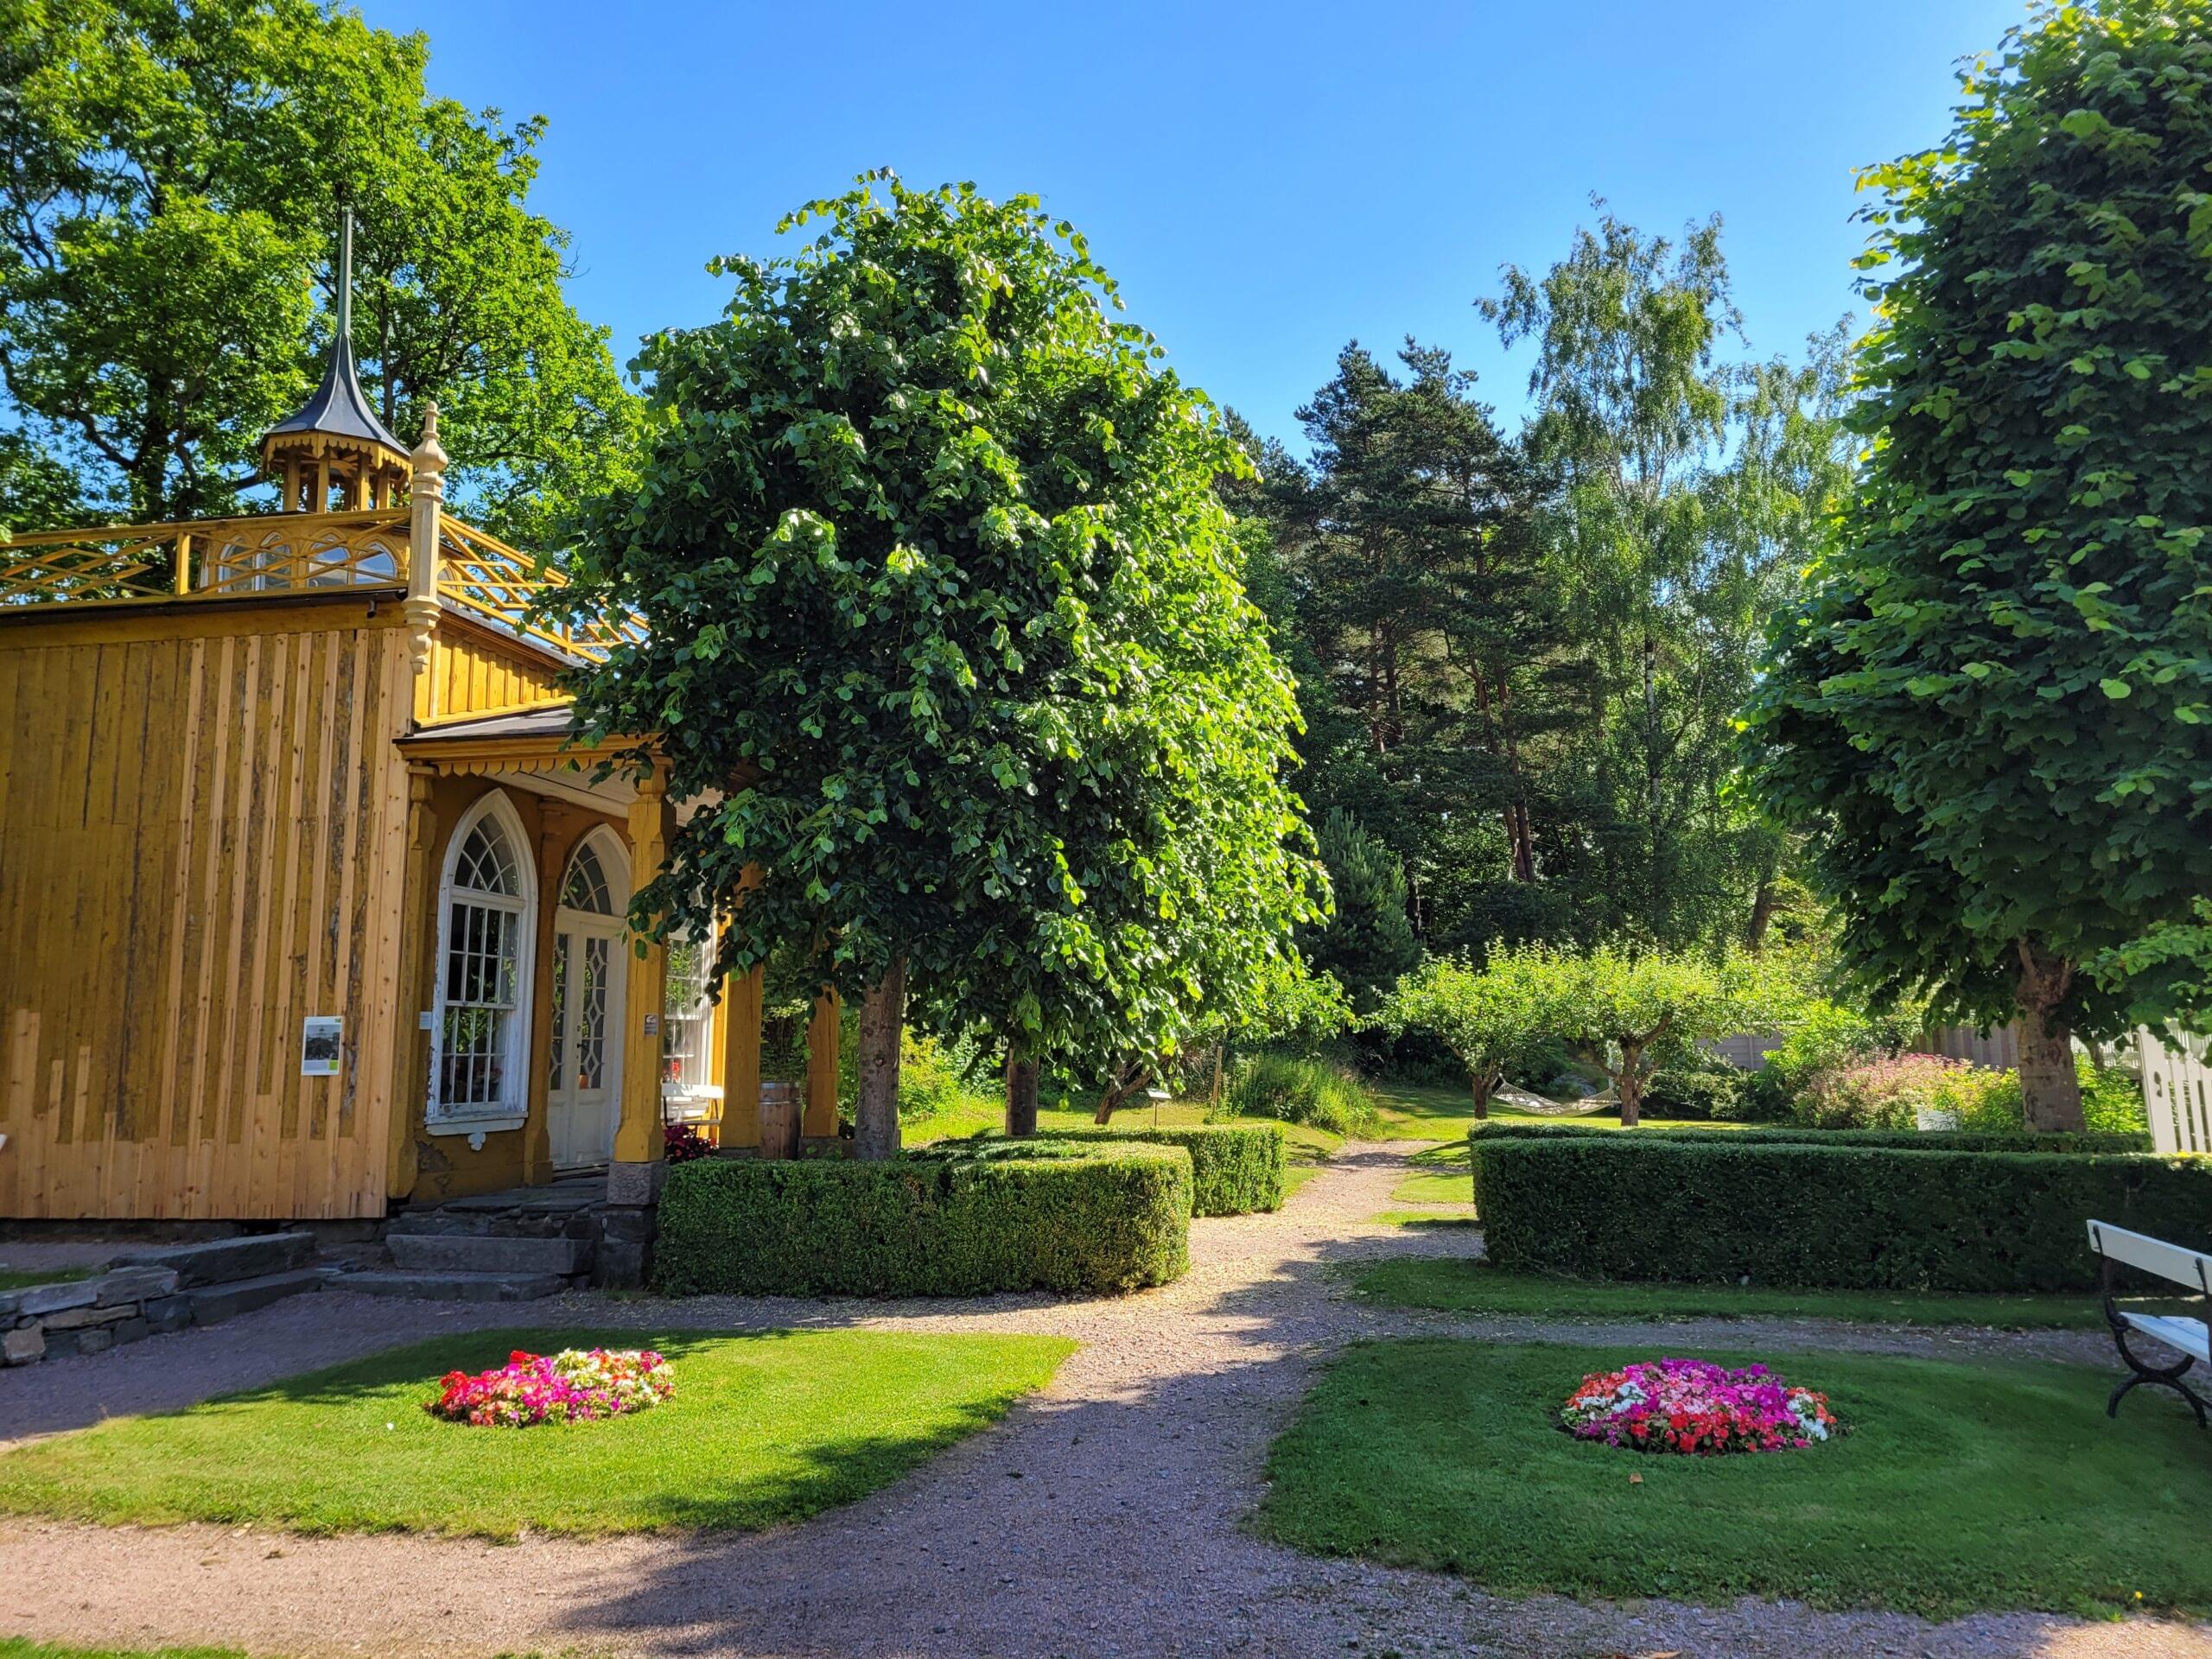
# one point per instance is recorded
(485, 912)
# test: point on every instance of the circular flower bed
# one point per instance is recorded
(576, 1385)
(1694, 1406)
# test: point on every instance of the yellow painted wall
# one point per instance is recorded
(202, 821)
(473, 669)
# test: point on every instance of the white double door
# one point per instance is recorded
(585, 1097)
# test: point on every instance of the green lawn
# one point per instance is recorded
(16, 1647)
(1421, 1112)
(1959, 1487)
(1423, 1218)
(1310, 1148)
(1461, 1287)
(1435, 1187)
(24, 1278)
(762, 1429)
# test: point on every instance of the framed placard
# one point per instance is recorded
(321, 1036)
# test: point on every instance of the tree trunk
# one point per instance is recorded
(875, 1109)
(1479, 1085)
(1630, 1084)
(2051, 1090)
(1020, 1093)
(1762, 917)
(1132, 1079)
(1220, 1073)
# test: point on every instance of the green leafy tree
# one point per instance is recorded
(167, 212)
(1997, 700)
(37, 491)
(946, 639)
(1691, 492)
(1369, 941)
(1630, 1006)
(1425, 634)
(1492, 1018)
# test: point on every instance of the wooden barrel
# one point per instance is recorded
(780, 1104)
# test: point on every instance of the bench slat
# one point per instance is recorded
(2190, 1336)
(2152, 1256)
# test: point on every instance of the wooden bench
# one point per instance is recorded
(2116, 1247)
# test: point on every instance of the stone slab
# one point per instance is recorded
(73, 1318)
(233, 1297)
(472, 1253)
(637, 1185)
(21, 1347)
(41, 1300)
(455, 1287)
(135, 1285)
(226, 1261)
(167, 1313)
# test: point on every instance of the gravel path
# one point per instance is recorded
(1102, 1517)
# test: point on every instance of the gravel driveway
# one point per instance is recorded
(1102, 1517)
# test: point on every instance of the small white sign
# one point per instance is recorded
(652, 1025)
(321, 1036)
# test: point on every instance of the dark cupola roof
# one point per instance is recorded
(335, 436)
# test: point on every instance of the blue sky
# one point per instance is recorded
(1266, 181)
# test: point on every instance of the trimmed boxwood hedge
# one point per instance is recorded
(1236, 1169)
(1904, 1140)
(1633, 1205)
(1006, 1216)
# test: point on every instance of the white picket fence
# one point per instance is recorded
(2177, 1092)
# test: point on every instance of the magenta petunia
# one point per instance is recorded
(1694, 1407)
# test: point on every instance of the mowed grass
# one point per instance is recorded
(1442, 1173)
(1423, 1218)
(1461, 1287)
(763, 1428)
(16, 1647)
(1959, 1487)
(1421, 1112)
(24, 1278)
(1309, 1150)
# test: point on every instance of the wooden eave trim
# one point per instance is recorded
(170, 616)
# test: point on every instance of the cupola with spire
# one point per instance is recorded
(334, 445)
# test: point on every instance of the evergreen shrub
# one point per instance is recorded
(965, 1220)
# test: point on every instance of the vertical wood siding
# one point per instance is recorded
(472, 671)
(201, 842)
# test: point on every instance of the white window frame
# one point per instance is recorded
(691, 1103)
(508, 1113)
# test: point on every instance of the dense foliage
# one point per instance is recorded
(974, 1218)
(1997, 704)
(946, 637)
(1491, 1019)
(1518, 657)
(1893, 1093)
(1675, 1207)
(167, 219)
(1799, 1134)
(1300, 1089)
(1236, 1169)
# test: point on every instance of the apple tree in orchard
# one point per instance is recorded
(945, 637)
(1997, 701)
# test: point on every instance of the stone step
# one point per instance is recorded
(235, 1296)
(226, 1261)
(455, 1286)
(472, 1253)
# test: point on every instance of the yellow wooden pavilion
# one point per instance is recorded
(311, 903)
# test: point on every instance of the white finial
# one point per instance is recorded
(428, 457)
